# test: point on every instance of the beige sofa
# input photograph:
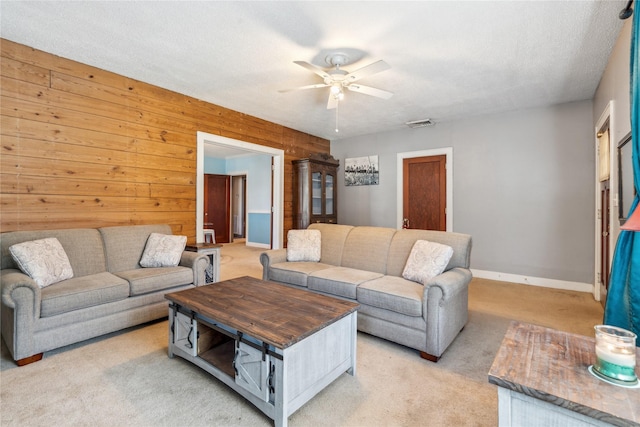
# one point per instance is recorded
(365, 264)
(109, 290)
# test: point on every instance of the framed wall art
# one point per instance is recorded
(361, 171)
(626, 188)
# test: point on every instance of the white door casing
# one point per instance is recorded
(277, 217)
(448, 152)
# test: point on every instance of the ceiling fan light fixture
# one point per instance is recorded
(336, 91)
(420, 123)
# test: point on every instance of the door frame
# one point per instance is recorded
(277, 208)
(448, 152)
(614, 223)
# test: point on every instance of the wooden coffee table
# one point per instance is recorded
(275, 345)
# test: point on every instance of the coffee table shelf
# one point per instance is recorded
(221, 357)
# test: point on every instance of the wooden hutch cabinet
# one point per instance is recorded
(315, 190)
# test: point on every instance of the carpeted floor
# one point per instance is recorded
(126, 378)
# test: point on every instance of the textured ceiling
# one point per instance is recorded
(449, 59)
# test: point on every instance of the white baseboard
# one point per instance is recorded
(258, 245)
(534, 281)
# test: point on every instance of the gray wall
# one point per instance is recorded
(614, 86)
(523, 187)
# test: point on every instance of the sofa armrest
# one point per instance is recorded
(445, 308)
(450, 282)
(21, 298)
(198, 263)
(11, 280)
(268, 258)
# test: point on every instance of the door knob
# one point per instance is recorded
(405, 223)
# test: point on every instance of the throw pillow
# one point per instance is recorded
(426, 261)
(163, 250)
(44, 260)
(303, 245)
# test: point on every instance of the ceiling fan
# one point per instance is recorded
(337, 79)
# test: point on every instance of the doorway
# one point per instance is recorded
(606, 228)
(605, 225)
(238, 203)
(217, 206)
(276, 212)
(603, 245)
(424, 193)
(447, 177)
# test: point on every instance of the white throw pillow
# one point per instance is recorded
(303, 245)
(426, 261)
(44, 260)
(163, 250)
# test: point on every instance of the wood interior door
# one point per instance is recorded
(604, 242)
(217, 206)
(425, 193)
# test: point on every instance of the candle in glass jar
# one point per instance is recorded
(615, 353)
(621, 357)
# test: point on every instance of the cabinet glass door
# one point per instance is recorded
(316, 193)
(329, 194)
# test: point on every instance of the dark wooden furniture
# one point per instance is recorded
(543, 379)
(275, 345)
(315, 190)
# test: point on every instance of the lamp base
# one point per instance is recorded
(613, 381)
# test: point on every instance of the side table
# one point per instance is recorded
(212, 250)
(543, 380)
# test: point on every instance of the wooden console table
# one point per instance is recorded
(544, 381)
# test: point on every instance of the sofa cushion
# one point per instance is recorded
(124, 244)
(44, 260)
(426, 261)
(145, 280)
(163, 250)
(295, 273)
(82, 292)
(303, 245)
(333, 238)
(392, 293)
(392, 318)
(340, 281)
(367, 248)
(83, 247)
(403, 241)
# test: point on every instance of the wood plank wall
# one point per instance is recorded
(83, 147)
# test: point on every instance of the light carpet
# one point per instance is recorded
(126, 378)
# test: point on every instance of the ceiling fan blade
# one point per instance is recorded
(316, 86)
(319, 71)
(367, 70)
(332, 102)
(367, 90)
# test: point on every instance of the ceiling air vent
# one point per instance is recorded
(420, 123)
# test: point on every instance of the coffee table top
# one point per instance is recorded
(276, 314)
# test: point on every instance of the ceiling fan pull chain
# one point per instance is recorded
(337, 107)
